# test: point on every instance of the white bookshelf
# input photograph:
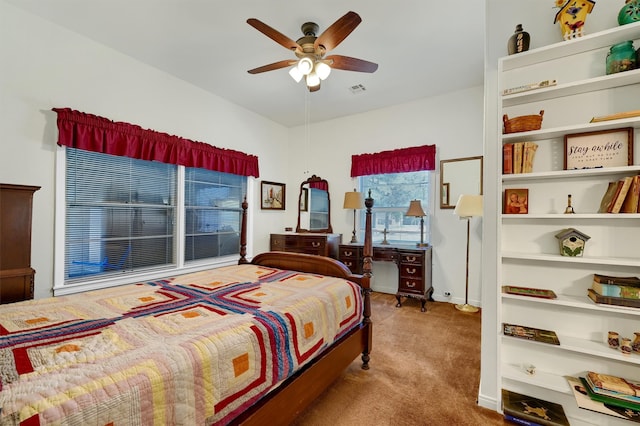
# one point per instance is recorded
(528, 253)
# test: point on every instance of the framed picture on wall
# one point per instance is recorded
(272, 195)
(516, 201)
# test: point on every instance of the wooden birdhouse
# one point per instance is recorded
(572, 242)
(572, 16)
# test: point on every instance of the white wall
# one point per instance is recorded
(46, 66)
(453, 122)
(537, 19)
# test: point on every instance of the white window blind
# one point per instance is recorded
(121, 215)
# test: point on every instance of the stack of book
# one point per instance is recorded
(612, 390)
(610, 290)
(622, 196)
(517, 157)
(527, 410)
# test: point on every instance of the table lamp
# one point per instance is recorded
(353, 200)
(415, 210)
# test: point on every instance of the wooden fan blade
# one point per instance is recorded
(347, 63)
(273, 66)
(274, 35)
(338, 31)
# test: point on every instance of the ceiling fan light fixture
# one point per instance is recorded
(322, 70)
(295, 73)
(313, 80)
(305, 65)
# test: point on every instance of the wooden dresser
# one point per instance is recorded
(414, 267)
(307, 242)
(16, 274)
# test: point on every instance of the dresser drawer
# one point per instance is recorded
(312, 245)
(278, 242)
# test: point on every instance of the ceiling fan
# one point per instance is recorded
(310, 51)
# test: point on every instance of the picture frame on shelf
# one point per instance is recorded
(272, 195)
(304, 200)
(516, 201)
(603, 148)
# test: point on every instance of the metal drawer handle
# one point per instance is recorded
(411, 285)
(411, 271)
(315, 244)
(349, 264)
(348, 253)
(411, 259)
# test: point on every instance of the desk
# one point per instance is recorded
(414, 267)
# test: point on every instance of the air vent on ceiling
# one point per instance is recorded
(358, 88)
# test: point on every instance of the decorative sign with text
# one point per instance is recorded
(605, 148)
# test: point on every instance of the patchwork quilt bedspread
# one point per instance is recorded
(192, 349)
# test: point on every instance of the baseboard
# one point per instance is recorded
(486, 402)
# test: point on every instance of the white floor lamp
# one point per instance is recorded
(468, 206)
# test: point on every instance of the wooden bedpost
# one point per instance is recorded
(243, 233)
(367, 252)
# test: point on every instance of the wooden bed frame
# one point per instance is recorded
(286, 402)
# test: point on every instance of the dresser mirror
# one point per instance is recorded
(459, 176)
(314, 206)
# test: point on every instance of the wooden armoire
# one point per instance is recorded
(16, 273)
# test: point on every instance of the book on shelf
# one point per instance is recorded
(630, 204)
(584, 402)
(611, 279)
(608, 382)
(616, 116)
(529, 86)
(517, 420)
(608, 196)
(534, 410)
(621, 194)
(616, 290)
(517, 157)
(529, 291)
(528, 154)
(609, 400)
(530, 333)
(507, 158)
(616, 301)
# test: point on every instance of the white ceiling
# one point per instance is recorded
(423, 47)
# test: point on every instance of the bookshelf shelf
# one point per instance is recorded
(578, 302)
(568, 174)
(560, 131)
(573, 88)
(589, 260)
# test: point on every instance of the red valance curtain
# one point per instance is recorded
(93, 133)
(395, 161)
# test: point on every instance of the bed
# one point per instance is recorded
(252, 343)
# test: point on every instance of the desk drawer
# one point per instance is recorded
(411, 285)
(411, 258)
(411, 271)
(385, 255)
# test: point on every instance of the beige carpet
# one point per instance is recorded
(425, 370)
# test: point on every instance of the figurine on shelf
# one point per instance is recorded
(572, 16)
(519, 41)
(569, 209)
(629, 13)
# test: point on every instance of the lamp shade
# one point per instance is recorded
(353, 200)
(468, 206)
(415, 209)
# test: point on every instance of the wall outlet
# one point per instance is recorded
(447, 294)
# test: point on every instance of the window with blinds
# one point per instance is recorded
(121, 215)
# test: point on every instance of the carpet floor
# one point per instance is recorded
(425, 370)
